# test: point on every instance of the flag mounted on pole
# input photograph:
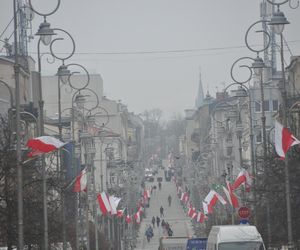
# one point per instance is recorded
(128, 219)
(211, 200)
(43, 144)
(284, 139)
(81, 182)
(230, 195)
(120, 213)
(242, 178)
(104, 203)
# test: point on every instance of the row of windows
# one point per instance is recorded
(269, 105)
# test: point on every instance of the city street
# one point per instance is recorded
(174, 215)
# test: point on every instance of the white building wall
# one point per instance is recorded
(50, 93)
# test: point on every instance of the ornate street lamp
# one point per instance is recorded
(278, 21)
(45, 33)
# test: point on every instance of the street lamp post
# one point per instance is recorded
(18, 146)
(258, 66)
(45, 34)
(89, 151)
(278, 21)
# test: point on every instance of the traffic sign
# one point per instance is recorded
(244, 212)
(244, 221)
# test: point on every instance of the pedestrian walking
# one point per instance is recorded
(159, 185)
(154, 189)
(161, 210)
(157, 221)
(169, 200)
(149, 233)
(153, 221)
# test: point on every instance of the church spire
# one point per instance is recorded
(200, 95)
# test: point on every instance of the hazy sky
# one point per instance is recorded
(149, 52)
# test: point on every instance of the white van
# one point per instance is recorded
(234, 237)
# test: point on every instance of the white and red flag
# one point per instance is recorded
(104, 203)
(201, 217)
(141, 210)
(146, 193)
(243, 178)
(114, 202)
(233, 200)
(128, 219)
(81, 182)
(205, 208)
(212, 198)
(43, 144)
(284, 139)
(120, 213)
(137, 217)
(184, 197)
(179, 189)
(194, 215)
(191, 211)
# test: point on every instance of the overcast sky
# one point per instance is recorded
(113, 38)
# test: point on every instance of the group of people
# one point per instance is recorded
(158, 222)
(153, 188)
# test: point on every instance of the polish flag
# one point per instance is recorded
(191, 211)
(184, 197)
(147, 193)
(81, 182)
(104, 203)
(242, 178)
(114, 202)
(120, 213)
(194, 215)
(201, 217)
(230, 195)
(179, 190)
(284, 139)
(212, 198)
(43, 144)
(137, 217)
(128, 219)
(141, 209)
(205, 208)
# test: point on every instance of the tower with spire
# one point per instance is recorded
(200, 95)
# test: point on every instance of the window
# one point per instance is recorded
(275, 105)
(258, 137)
(266, 105)
(257, 106)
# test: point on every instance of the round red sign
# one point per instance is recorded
(244, 212)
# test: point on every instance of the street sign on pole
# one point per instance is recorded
(244, 212)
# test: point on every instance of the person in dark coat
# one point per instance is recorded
(153, 221)
(163, 223)
(149, 233)
(161, 211)
(157, 221)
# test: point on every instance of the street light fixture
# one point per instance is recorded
(278, 20)
(63, 73)
(45, 33)
(80, 100)
(258, 65)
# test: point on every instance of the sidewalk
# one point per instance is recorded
(174, 215)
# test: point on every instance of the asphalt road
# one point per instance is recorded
(174, 215)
